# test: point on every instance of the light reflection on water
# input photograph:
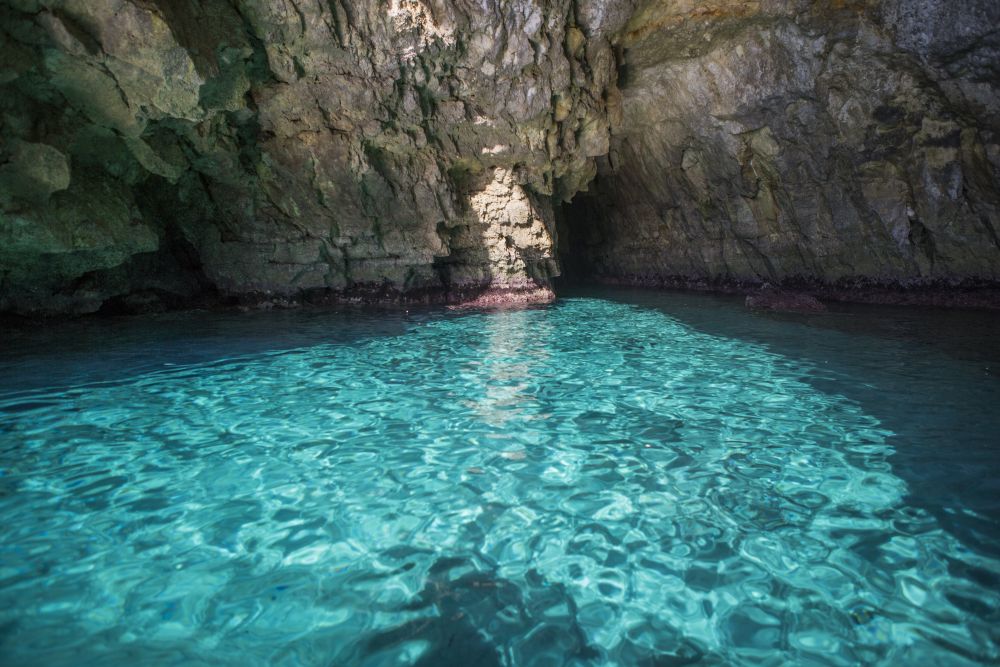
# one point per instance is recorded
(594, 482)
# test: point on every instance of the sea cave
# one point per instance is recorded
(499, 332)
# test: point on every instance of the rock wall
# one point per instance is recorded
(834, 143)
(157, 152)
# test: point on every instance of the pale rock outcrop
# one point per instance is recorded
(34, 172)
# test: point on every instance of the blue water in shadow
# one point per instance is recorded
(618, 478)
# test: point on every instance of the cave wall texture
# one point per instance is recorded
(836, 143)
(157, 151)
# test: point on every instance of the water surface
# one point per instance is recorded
(620, 478)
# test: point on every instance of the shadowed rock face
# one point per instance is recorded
(819, 143)
(160, 151)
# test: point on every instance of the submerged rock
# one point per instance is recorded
(781, 301)
(423, 151)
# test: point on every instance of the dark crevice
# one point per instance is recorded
(580, 236)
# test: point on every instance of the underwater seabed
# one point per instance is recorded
(613, 479)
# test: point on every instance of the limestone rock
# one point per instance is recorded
(832, 143)
(424, 149)
(34, 172)
(290, 148)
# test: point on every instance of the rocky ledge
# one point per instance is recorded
(159, 153)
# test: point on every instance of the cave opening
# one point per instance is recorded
(581, 238)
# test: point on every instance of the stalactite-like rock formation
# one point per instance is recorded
(157, 152)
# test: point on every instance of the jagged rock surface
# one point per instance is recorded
(274, 148)
(155, 151)
(822, 143)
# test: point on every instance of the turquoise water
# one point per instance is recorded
(616, 479)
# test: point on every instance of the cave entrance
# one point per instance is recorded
(580, 239)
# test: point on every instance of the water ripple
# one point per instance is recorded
(589, 483)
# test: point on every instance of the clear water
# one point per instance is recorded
(616, 479)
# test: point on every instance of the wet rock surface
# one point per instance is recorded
(158, 153)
